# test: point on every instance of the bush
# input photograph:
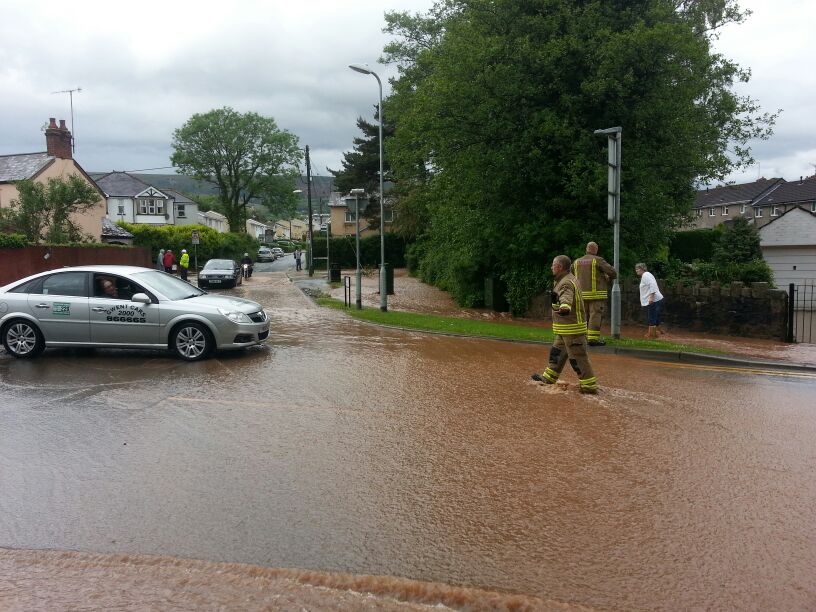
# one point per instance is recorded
(756, 271)
(13, 241)
(694, 245)
(213, 244)
(343, 251)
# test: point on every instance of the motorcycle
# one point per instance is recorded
(246, 270)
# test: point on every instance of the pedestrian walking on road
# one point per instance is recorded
(298, 255)
(594, 274)
(184, 264)
(160, 261)
(570, 328)
(652, 299)
(169, 261)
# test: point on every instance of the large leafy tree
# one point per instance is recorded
(42, 211)
(495, 107)
(246, 155)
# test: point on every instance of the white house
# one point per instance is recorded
(256, 229)
(132, 200)
(789, 246)
(215, 220)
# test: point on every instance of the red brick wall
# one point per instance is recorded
(19, 263)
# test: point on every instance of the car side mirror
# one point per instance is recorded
(142, 298)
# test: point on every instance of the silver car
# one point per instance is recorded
(124, 307)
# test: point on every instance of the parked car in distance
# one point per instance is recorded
(124, 307)
(220, 273)
(265, 254)
(278, 252)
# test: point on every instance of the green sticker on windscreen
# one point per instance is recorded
(62, 309)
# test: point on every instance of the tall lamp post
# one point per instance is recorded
(613, 135)
(383, 291)
(359, 292)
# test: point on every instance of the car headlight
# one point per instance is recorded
(234, 316)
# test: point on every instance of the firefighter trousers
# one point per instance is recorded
(595, 310)
(574, 349)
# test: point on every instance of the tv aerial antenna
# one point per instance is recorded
(70, 93)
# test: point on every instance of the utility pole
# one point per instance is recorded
(310, 256)
(613, 213)
(70, 93)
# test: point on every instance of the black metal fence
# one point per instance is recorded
(801, 306)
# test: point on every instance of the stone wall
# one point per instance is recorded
(754, 311)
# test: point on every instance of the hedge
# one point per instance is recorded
(694, 245)
(13, 241)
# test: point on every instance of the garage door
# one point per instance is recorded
(791, 264)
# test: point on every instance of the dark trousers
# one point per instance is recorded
(183, 272)
(654, 310)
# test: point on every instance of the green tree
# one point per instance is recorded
(42, 211)
(495, 109)
(246, 155)
(739, 243)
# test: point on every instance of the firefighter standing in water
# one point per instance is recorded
(594, 275)
(569, 327)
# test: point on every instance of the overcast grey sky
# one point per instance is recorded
(144, 69)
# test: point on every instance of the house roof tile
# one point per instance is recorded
(735, 194)
(121, 184)
(19, 167)
(794, 191)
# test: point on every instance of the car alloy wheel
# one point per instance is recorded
(23, 339)
(192, 342)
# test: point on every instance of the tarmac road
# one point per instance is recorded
(347, 447)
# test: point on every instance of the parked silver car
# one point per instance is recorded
(124, 307)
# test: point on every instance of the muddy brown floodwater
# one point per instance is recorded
(344, 447)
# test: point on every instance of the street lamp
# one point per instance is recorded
(357, 193)
(614, 135)
(383, 292)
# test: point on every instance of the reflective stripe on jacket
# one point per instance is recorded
(592, 274)
(568, 295)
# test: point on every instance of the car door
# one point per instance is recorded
(60, 304)
(118, 320)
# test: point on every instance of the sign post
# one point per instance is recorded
(613, 213)
(194, 238)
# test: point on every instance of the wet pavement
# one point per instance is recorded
(345, 447)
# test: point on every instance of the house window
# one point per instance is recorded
(388, 215)
(151, 206)
(711, 212)
(724, 210)
(699, 212)
(742, 209)
(775, 211)
(121, 212)
(813, 207)
(758, 212)
(180, 211)
(350, 216)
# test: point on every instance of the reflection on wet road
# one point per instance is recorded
(343, 446)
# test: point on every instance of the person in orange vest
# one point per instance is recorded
(594, 275)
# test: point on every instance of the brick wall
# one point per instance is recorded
(19, 263)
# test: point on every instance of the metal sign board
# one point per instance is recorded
(194, 237)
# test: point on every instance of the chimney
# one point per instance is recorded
(58, 139)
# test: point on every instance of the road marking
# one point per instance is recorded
(755, 371)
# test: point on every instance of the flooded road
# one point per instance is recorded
(346, 447)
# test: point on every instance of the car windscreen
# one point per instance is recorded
(174, 288)
(219, 264)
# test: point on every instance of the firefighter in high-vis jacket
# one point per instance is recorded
(594, 275)
(569, 327)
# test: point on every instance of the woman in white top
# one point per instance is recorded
(651, 298)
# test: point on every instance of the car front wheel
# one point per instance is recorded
(23, 339)
(192, 341)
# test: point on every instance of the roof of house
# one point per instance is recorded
(180, 198)
(121, 184)
(111, 230)
(23, 166)
(803, 190)
(736, 194)
(213, 215)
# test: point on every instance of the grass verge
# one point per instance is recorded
(489, 329)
